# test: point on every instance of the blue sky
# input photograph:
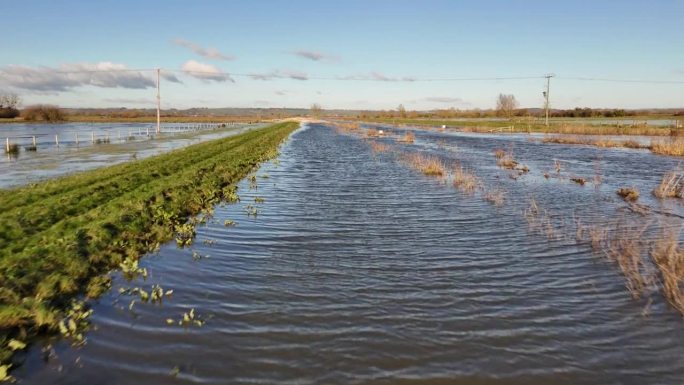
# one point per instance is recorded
(342, 54)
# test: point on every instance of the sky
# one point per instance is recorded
(343, 54)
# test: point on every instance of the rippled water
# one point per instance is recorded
(358, 269)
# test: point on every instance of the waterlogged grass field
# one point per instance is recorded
(58, 237)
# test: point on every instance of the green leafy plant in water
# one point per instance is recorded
(185, 233)
(197, 256)
(187, 319)
(259, 200)
(251, 210)
(76, 322)
(229, 223)
(131, 270)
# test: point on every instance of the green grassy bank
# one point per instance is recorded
(577, 127)
(58, 238)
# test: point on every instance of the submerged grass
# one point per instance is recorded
(428, 165)
(60, 236)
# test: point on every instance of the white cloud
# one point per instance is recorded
(377, 76)
(315, 55)
(205, 72)
(444, 99)
(284, 74)
(209, 53)
(72, 75)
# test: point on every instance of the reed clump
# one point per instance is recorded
(495, 197)
(378, 147)
(579, 181)
(668, 147)
(428, 165)
(625, 249)
(465, 180)
(372, 133)
(629, 194)
(668, 257)
(505, 159)
(671, 185)
(409, 137)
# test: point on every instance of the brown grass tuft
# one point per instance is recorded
(465, 180)
(409, 137)
(671, 185)
(671, 147)
(372, 133)
(579, 181)
(378, 147)
(428, 165)
(629, 194)
(669, 260)
(495, 197)
(507, 161)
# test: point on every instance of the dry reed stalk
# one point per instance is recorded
(629, 194)
(671, 185)
(428, 165)
(409, 137)
(669, 260)
(673, 147)
(372, 133)
(378, 147)
(495, 197)
(465, 180)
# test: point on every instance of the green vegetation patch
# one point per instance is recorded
(58, 238)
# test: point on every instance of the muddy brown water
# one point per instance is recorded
(358, 269)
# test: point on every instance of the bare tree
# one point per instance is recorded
(8, 105)
(316, 110)
(506, 104)
(9, 100)
(402, 111)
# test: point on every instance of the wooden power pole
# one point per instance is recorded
(546, 96)
(158, 104)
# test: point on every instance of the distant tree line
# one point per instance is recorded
(506, 110)
(43, 112)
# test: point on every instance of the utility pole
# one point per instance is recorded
(158, 104)
(546, 96)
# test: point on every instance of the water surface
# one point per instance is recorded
(357, 269)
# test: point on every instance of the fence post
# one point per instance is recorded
(7, 146)
(92, 136)
(77, 138)
(34, 141)
(57, 140)
(148, 130)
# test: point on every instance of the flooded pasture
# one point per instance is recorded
(71, 147)
(345, 266)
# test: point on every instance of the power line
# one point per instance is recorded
(623, 80)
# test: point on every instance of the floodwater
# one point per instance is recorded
(358, 269)
(74, 149)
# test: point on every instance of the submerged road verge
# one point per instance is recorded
(58, 238)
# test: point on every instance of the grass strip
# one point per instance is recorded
(58, 237)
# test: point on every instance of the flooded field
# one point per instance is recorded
(84, 146)
(343, 264)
